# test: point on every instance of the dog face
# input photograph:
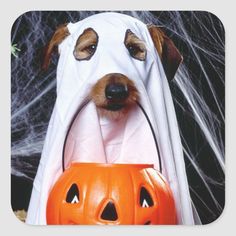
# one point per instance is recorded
(114, 91)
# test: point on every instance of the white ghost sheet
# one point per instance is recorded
(98, 139)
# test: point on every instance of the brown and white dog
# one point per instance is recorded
(116, 61)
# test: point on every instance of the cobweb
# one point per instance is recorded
(198, 93)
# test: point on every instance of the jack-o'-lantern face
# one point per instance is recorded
(90, 193)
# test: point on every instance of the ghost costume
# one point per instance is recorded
(98, 139)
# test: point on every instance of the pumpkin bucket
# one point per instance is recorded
(93, 193)
(112, 194)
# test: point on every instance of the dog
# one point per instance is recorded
(117, 62)
(115, 93)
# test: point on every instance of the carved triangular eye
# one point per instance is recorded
(73, 194)
(145, 198)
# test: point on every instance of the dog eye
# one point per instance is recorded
(136, 52)
(90, 49)
(86, 52)
(86, 45)
(135, 46)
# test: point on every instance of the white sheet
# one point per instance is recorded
(96, 139)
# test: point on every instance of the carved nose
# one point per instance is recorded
(116, 92)
(109, 213)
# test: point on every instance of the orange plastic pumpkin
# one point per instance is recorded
(94, 193)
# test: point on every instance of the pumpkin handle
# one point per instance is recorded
(153, 135)
(68, 131)
(146, 116)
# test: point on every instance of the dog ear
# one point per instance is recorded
(60, 34)
(169, 54)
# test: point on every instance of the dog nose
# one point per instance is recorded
(116, 92)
